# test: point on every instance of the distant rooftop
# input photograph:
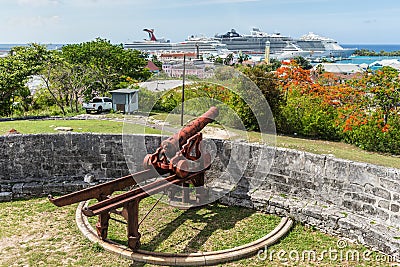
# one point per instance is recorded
(394, 63)
(124, 91)
(162, 85)
(341, 68)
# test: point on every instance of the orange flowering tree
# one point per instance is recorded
(311, 107)
(376, 123)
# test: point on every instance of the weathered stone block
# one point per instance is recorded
(314, 164)
(280, 188)
(395, 208)
(384, 204)
(32, 189)
(337, 169)
(380, 192)
(382, 215)
(17, 188)
(5, 196)
(363, 173)
(277, 178)
(363, 198)
(294, 160)
(390, 184)
(262, 159)
(353, 205)
(278, 201)
(369, 209)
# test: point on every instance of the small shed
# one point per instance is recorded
(125, 100)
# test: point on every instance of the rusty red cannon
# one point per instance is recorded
(180, 160)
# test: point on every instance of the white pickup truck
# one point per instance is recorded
(98, 104)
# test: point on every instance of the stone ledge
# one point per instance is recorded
(41, 189)
(326, 218)
(5, 196)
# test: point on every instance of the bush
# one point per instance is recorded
(308, 117)
(374, 136)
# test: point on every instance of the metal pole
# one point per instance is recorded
(183, 87)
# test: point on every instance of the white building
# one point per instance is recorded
(337, 68)
(394, 63)
(192, 68)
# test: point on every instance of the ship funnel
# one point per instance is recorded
(152, 37)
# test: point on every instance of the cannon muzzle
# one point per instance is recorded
(175, 143)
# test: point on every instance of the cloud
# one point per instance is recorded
(370, 21)
(97, 2)
(216, 2)
(37, 21)
(37, 2)
(213, 2)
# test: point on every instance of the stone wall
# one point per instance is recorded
(37, 165)
(355, 200)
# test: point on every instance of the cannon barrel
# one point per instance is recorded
(104, 189)
(175, 143)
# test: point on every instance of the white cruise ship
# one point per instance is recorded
(200, 44)
(254, 43)
(151, 44)
(281, 47)
(323, 47)
(309, 46)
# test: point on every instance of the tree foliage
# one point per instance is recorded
(109, 65)
(268, 84)
(77, 72)
(15, 70)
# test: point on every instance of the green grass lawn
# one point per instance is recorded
(37, 233)
(337, 149)
(79, 126)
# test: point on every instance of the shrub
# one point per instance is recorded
(374, 135)
(308, 116)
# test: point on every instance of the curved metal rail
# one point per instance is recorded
(182, 259)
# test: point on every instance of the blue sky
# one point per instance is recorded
(74, 21)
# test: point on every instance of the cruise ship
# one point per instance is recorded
(199, 44)
(308, 46)
(323, 47)
(255, 42)
(151, 44)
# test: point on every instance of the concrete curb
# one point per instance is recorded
(182, 259)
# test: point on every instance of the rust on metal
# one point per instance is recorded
(180, 161)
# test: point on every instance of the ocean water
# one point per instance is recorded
(7, 47)
(364, 60)
(374, 47)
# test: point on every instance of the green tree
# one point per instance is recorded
(109, 64)
(267, 83)
(384, 89)
(228, 59)
(242, 57)
(304, 63)
(156, 62)
(15, 71)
